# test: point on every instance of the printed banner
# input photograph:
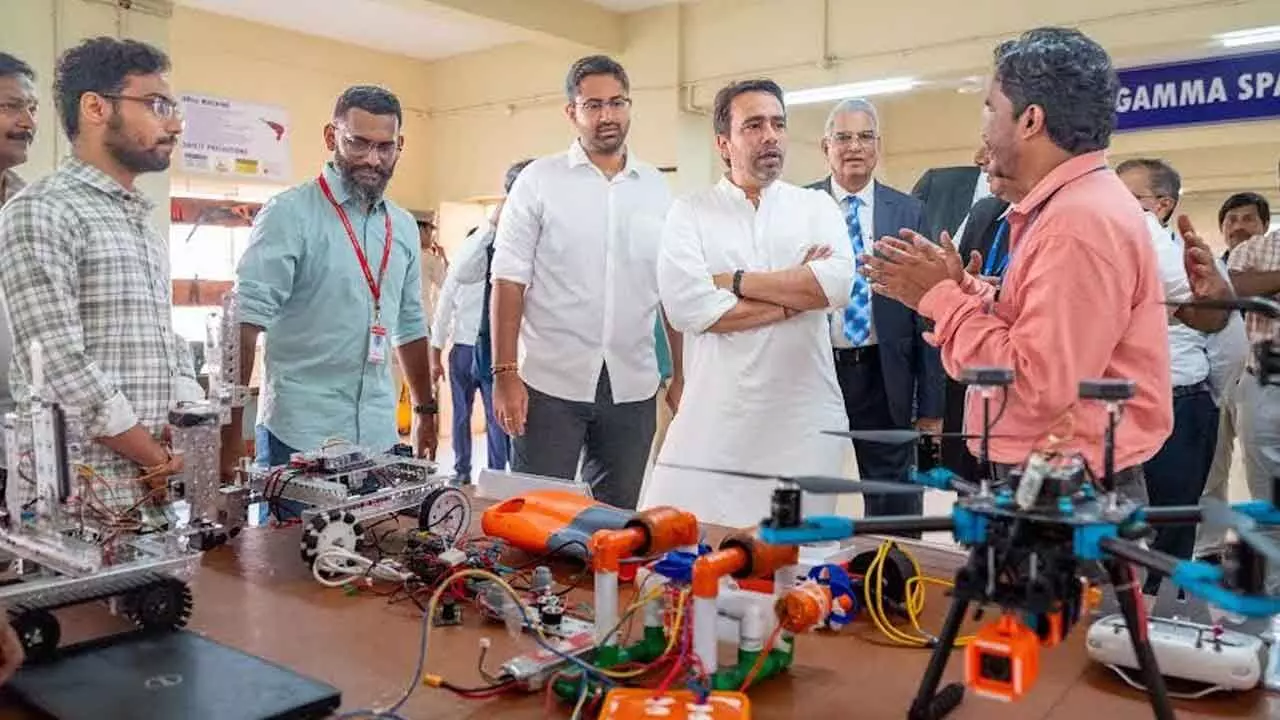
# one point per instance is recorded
(1198, 92)
(236, 139)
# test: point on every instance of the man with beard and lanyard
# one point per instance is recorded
(749, 270)
(1081, 296)
(575, 287)
(333, 275)
(86, 275)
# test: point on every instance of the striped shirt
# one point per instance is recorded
(1261, 254)
(85, 274)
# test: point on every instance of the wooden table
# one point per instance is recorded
(257, 595)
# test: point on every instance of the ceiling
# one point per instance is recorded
(415, 28)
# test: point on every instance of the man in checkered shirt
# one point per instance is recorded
(1255, 271)
(86, 275)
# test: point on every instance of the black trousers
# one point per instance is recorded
(867, 405)
(1176, 475)
(955, 451)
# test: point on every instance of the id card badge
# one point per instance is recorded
(377, 344)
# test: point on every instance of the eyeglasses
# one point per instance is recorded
(595, 107)
(360, 147)
(160, 106)
(17, 107)
(865, 138)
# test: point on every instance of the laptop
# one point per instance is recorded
(175, 675)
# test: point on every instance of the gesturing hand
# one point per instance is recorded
(1202, 272)
(907, 267)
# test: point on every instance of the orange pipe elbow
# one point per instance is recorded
(708, 569)
(608, 547)
(667, 528)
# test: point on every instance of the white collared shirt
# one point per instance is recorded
(1188, 359)
(459, 304)
(740, 384)
(866, 221)
(586, 249)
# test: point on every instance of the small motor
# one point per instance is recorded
(550, 610)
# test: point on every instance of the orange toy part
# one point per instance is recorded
(1003, 659)
(807, 606)
(640, 704)
(544, 520)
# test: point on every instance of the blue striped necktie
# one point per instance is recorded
(857, 315)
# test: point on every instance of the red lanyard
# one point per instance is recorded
(375, 287)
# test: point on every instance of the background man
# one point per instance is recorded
(85, 274)
(948, 193)
(1176, 475)
(1255, 270)
(748, 270)
(1083, 272)
(18, 106)
(574, 283)
(333, 275)
(888, 374)
(1242, 217)
(985, 231)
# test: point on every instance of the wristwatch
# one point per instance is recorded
(426, 408)
(737, 282)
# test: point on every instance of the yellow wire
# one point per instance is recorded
(914, 599)
(671, 640)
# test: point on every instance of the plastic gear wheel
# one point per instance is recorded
(162, 607)
(333, 529)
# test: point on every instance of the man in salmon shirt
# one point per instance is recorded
(1082, 297)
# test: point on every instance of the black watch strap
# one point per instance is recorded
(426, 408)
(737, 282)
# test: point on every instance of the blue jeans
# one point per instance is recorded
(463, 384)
(271, 452)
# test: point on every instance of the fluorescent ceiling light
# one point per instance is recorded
(1256, 36)
(852, 90)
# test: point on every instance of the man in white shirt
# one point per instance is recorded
(574, 282)
(1176, 475)
(748, 271)
(457, 316)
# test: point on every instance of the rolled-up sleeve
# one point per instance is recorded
(412, 321)
(472, 262)
(836, 273)
(39, 278)
(264, 276)
(518, 230)
(689, 295)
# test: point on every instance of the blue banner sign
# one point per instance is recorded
(1197, 92)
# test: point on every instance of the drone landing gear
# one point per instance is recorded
(930, 704)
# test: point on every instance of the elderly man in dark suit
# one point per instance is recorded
(890, 377)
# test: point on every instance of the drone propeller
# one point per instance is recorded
(1261, 305)
(1219, 514)
(899, 437)
(819, 484)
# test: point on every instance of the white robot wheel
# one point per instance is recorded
(445, 511)
(332, 530)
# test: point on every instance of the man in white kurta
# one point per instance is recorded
(748, 270)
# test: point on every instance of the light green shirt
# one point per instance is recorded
(300, 279)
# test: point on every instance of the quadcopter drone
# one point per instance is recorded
(1042, 540)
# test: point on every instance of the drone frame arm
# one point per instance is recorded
(1197, 578)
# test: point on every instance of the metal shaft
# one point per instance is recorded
(1125, 582)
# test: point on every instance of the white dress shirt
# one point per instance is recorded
(755, 400)
(1189, 361)
(866, 222)
(586, 249)
(459, 304)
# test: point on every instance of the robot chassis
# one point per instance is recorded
(63, 556)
